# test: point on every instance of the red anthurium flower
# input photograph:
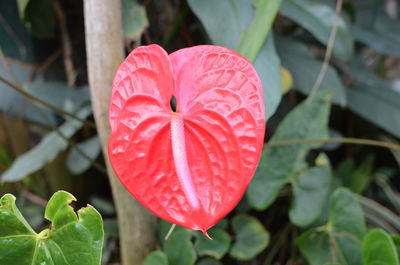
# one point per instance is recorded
(192, 166)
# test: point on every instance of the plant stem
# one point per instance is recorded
(170, 231)
(44, 103)
(329, 50)
(358, 141)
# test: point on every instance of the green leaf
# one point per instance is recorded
(297, 58)
(46, 151)
(345, 214)
(340, 239)
(71, 239)
(208, 261)
(356, 178)
(38, 16)
(318, 19)
(368, 90)
(278, 165)
(254, 36)
(224, 22)
(378, 249)
(396, 241)
(251, 237)
(377, 30)
(134, 19)
(179, 248)
(311, 189)
(78, 164)
(59, 93)
(156, 258)
(217, 247)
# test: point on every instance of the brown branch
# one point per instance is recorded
(344, 140)
(66, 43)
(33, 197)
(45, 103)
(329, 50)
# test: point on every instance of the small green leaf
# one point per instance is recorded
(311, 189)
(346, 215)
(340, 239)
(156, 258)
(72, 239)
(134, 19)
(251, 237)
(356, 178)
(208, 261)
(278, 165)
(217, 247)
(318, 18)
(378, 249)
(179, 248)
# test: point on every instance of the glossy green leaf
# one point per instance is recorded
(179, 249)
(156, 258)
(340, 239)
(297, 58)
(71, 239)
(217, 247)
(278, 165)
(251, 237)
(318, 19)
(378, 249)
(254, 36)
(224, 22)
(78, 164)
(134, 19)
(310, 189)
(46, 151)
(368, 90)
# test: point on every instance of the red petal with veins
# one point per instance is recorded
(193, 166)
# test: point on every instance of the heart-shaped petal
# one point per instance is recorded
(190, 167)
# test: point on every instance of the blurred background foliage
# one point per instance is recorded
(319, 196)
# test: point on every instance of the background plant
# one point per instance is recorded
(326, 189)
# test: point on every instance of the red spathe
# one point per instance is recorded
(192, 166)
